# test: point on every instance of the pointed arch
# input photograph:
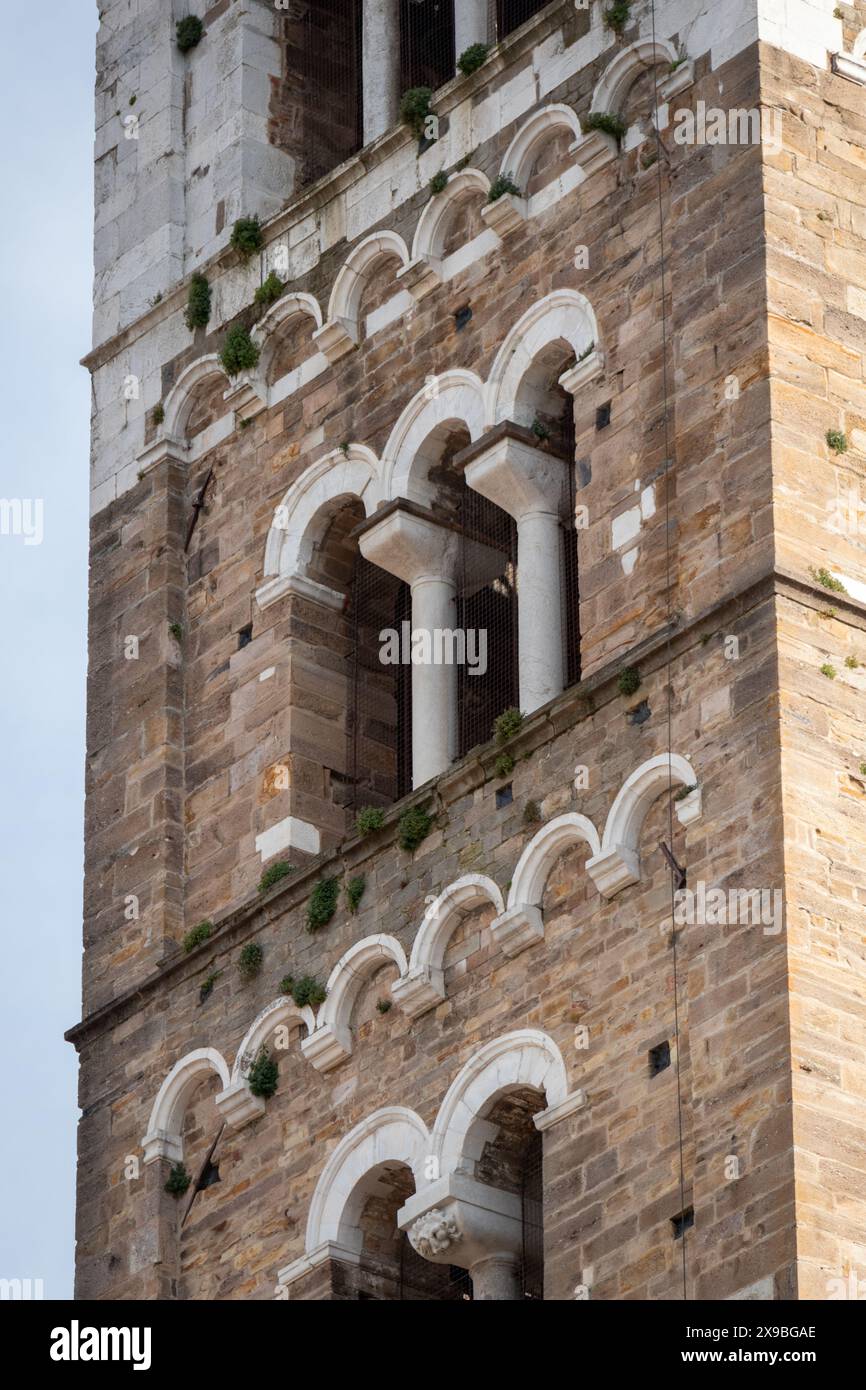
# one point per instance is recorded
(165, 1126)
(302, 516)
(332, 1040)
(563, 315)
(526, 1058)
(618, 862)
(456, 398)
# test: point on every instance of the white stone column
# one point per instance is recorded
(381, 66)
(424, 555)
(458, 1221)
(530, 484)
(470, 24)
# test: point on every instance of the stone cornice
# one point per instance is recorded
(564, 712)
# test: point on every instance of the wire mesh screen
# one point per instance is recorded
(333, 105)
(533, 1220)
(507, 15)
(427, 56)
(380, 719)
(487, 682)
(422, 1281)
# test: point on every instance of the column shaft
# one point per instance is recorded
(434, 688)
(539, 587)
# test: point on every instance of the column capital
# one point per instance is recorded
(507, 467)
(458, 1221)
(411, 543)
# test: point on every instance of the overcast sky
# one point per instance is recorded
(46, 151)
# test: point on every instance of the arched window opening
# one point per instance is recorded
(508, 15)
(512, 1161)
(380, 720)
(324, 50)
(427, 57)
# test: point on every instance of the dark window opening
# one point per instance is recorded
(332, 85)
(210, 1175)
(245, 636)
(380, 718)
(487, 614)
(422, 1281)
(532, 1193)
(570, 574)
(508, 15)
(504, 797)
(427, 56)
(683, 1222)
(659, 1058)
(602, 416)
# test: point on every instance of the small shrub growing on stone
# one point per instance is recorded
(827, 581)
(206, 987)
(306, 990)
(502, 184)
(608, 122)
(269, 290)
(506, 725)
(239, 352)
(196, 935)
(178, 1180)
(439, 182)
(198, 302)
(531, 813)
(323, 903)
(190, 32)
(617, 16)
(829, 671)
(274, 873)
(863, 769)
(684, 792)
(355, 891)
(415, 108)
(471, 58)
(158, 413)
(629, 681)
(504, 765)
(176, 631)
(250, 960)
(368, 819)
(837, 441)
(246, 237)
(384, 1006)
(413, 826)
(263, 1075)
(852, 663)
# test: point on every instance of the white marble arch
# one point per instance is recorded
(303, 515)
(267, 335)
(343, 330)
(236, 1103)
(392, 1135)
(563, 315)
(858, 48)
(423, 987)
(617, 864)
(454, 399)
(533, 135)
(525, 1058)
(629, 63)
(164, 1131)
(180, 400)
(434, 222)
(522, 923)
(331, 1041)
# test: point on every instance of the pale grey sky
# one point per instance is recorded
(46, 100)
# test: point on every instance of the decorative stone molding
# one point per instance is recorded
(299, 584)
(181, 398)
(420, 991)
(165, 1127)
(555, 1114)
(238, 1106)
(454, 396)
(617, 865)
(593, 150)
(678, 81)
(537, 131)
(517, 929)
(565, 314)
(434, 1233)
(337, 338)
(629, 63)
(583, 373)
(505, 215)
(342, 331)
(424, 987)
(425, 270)
(331, 1041)
(545, 847)
(420, 277)
(846, 65)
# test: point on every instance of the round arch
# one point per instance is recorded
(565, 315)
(181, 398)
(164, 1131)
(454, 399)
(533, 135)
(542, 851)
(433, 224)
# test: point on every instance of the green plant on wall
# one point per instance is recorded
(197, 935)
(504, 765)
(263, 1075)
(178, 1180)
(198, 302)
(439, 182)
(246, 237)
(273, 873)
(608, 122)
(837, 441)
(355, 891)
(368, 819)
(323, 903)
(413, 826)
(828, 581)
(471, 58)
(270, 289)
(617, 16)
(629, 681)
(190, 32)
(306, 990)
(506, 724)
(250, 960)
(239, 352)
(502, 184)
